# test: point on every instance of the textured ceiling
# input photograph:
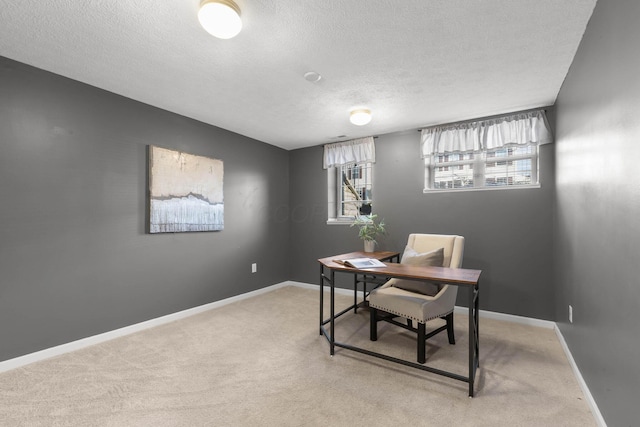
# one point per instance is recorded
(412, 62)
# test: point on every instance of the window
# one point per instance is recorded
(353, 190)
(506, 166)
(350, 179)
(495, 153)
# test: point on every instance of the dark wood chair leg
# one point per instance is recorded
(373, 324)
(422, 342)
(449, 319)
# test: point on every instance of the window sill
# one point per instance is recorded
(336, 221)
(496, 188)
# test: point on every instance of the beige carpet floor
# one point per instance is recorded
(261, 362)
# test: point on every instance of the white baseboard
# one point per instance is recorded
(510, 318)
(96, 339)
(595, 411)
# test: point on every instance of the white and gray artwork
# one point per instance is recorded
(185, 192)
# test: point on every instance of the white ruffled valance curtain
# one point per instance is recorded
(521, 128)
(355, 150)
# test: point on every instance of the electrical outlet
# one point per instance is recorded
(254, 267)
(570, 314)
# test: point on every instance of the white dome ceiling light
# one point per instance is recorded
(220, 18)
(360, 116)
(312, 76)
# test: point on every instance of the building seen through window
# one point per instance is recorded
(354, 190)
(505, 166)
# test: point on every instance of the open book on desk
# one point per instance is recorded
(360, 262)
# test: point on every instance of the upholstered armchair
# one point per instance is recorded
(420, 302)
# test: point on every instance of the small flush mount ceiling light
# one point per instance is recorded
(221, 18)
(360, 116)
(312, 76)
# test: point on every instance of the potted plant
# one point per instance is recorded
(368, 229)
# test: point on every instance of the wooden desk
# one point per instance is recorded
(461, 277)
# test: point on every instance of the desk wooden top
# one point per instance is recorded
(359, 254)
(458, 276)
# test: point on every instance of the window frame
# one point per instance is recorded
(335, 190)
(480, 163)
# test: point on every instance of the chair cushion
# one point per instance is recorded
(410, 305)
(411, 257)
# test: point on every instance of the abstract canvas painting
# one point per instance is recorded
(185, 192)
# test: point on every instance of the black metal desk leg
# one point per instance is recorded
(333, 312)
(355, 293)
(321, 296)
(477, 320)
(472, 339)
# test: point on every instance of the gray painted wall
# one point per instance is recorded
(598, 199)
(508, 232)
(75, 258)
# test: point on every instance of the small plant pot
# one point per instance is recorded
(369, 246)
